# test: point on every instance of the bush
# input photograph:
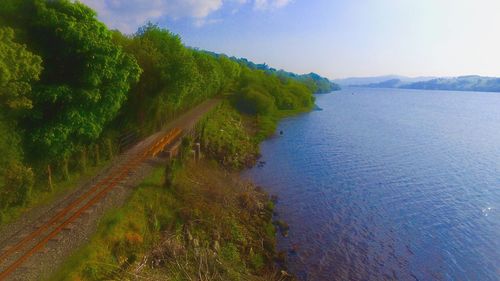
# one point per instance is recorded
(17, 183)
(254, 102)
(224, 139)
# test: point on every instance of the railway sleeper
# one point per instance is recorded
(88, 211)
(6, 248)
(69, 227)
(57, 238)
(43, 250)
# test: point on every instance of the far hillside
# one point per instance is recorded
(473, 83)
(320, 84)
(358, 81)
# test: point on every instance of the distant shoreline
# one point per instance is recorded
(471, 83)
(414, 89)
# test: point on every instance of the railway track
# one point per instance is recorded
(50, 226)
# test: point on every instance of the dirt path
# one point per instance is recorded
(43, 263)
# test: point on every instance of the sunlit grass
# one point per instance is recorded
(208, 222)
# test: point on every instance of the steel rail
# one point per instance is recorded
(108, 183)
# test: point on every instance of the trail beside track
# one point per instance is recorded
(33, 247)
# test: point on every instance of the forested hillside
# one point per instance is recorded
(316, 82)
(70, 88)
(462, 83)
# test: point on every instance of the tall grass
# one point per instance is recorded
(207, 225)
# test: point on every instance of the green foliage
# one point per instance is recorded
(257, 261)
(62, 80)
(254, 102)
(17, 184)
(185, 149)
(231, 72)
(230, 253)
(85, 78)
(224, 138)
(18, 69)
(270, 230)
(124, 234)
(9, 146)
(69, 87)
(200, 219)
(315, 82)
(16, 180)
(175, 77)
(263, 93)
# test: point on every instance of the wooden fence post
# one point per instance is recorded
(110, 148)
(49, 174)
(197, 151)
(65, 167)
(97, 155)
(83, 160)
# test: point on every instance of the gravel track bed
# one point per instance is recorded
(45, 262)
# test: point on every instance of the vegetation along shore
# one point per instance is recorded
(74, 95)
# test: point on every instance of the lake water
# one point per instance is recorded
(385, 184)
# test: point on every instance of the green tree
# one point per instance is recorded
(85, 79)
(18, 69)
(210, 75)
(171, 79)
(254, 102)
(16, 180)
(231, 70)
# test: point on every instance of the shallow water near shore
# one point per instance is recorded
(386, 184)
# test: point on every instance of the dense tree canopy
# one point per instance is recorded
(175, 77)
(170, 75)
(18, 69)
(85, 79)
(315, 82)
(67, 83)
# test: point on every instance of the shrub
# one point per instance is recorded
(17, 184)
(252, 101)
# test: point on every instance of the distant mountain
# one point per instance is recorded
(461, 83)
(357, 81)
(392, 83)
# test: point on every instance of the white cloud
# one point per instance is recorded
(191, 8)
(270, 4)
(204, 21)
(128, 15)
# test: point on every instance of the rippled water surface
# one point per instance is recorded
(390, 185)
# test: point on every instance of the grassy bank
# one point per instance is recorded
(206, 225)
(191, 220)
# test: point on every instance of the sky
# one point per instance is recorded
(335, 38)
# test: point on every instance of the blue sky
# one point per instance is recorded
(332, 37)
